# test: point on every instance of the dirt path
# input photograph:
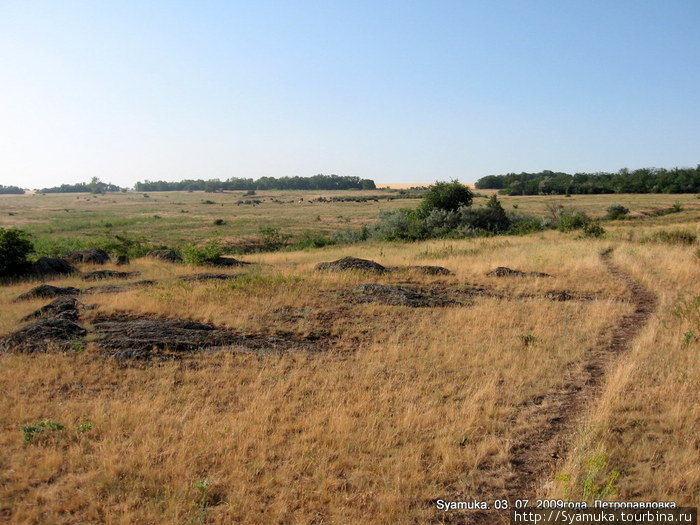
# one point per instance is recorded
(551, 418)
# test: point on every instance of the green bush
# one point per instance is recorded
(593, 229)
(491, 218)
(616, 211)
(309, 240)
(398, 225)
(273, 239)
(463, 222)
(448, 196)
(201, 255)
(118, 244)
(15, 248)
(523, 224)
(572, 221)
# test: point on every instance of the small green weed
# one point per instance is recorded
(599, 481)
(527, 339)
(40, 428)
(690, 337)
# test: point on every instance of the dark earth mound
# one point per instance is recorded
(43, 335)
(116, 288)
(45, 291)
(429, 270)
(210, 277)
(122, 260)
(108, 274)
(165, 255)
(351, 263)
(140, 355)
(92, 256)
(397, 295)
(59, 308)
(502, 271)
(51, 266)
(229, 261)
(120, 332)
(555, 295)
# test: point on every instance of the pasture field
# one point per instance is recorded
(174, 218)
(582, 385)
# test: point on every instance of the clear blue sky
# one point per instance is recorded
(396, 91)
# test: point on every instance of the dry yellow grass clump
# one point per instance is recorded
(396, 407)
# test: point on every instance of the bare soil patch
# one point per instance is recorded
(45, 291)
(65, 307)
(351, 263)
(201, 277)
(108, 274)
(91, 256)
(503, 271)
(397, 296)
(229, 261)
(428, 270)
(43, 335)
(365, 265)
(127, 335)
(116, 288)
(165, 255)
(50, 267)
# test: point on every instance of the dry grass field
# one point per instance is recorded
(504, 393)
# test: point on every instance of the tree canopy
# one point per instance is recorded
(316, 182)
(11, 189)
(448, 196)
(644, 180)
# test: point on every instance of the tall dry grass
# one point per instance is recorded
(403, 405)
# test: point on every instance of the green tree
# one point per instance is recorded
(448, 196)
(96, 186)
(15, 247)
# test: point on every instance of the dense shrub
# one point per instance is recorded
(521, 224)
(201, 255)
(398, 225)
(572, 221)
(616, 211)
(465, 221)
(492, 217)
(272, 238)
(446, 196)
(593, 229)
(118, 244)
(15, 247)
(309, 240)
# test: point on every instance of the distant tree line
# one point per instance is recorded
(94, 186)
(645, 180)
(317, 182)
(11, 189)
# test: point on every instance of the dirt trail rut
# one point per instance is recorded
(551, 418)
